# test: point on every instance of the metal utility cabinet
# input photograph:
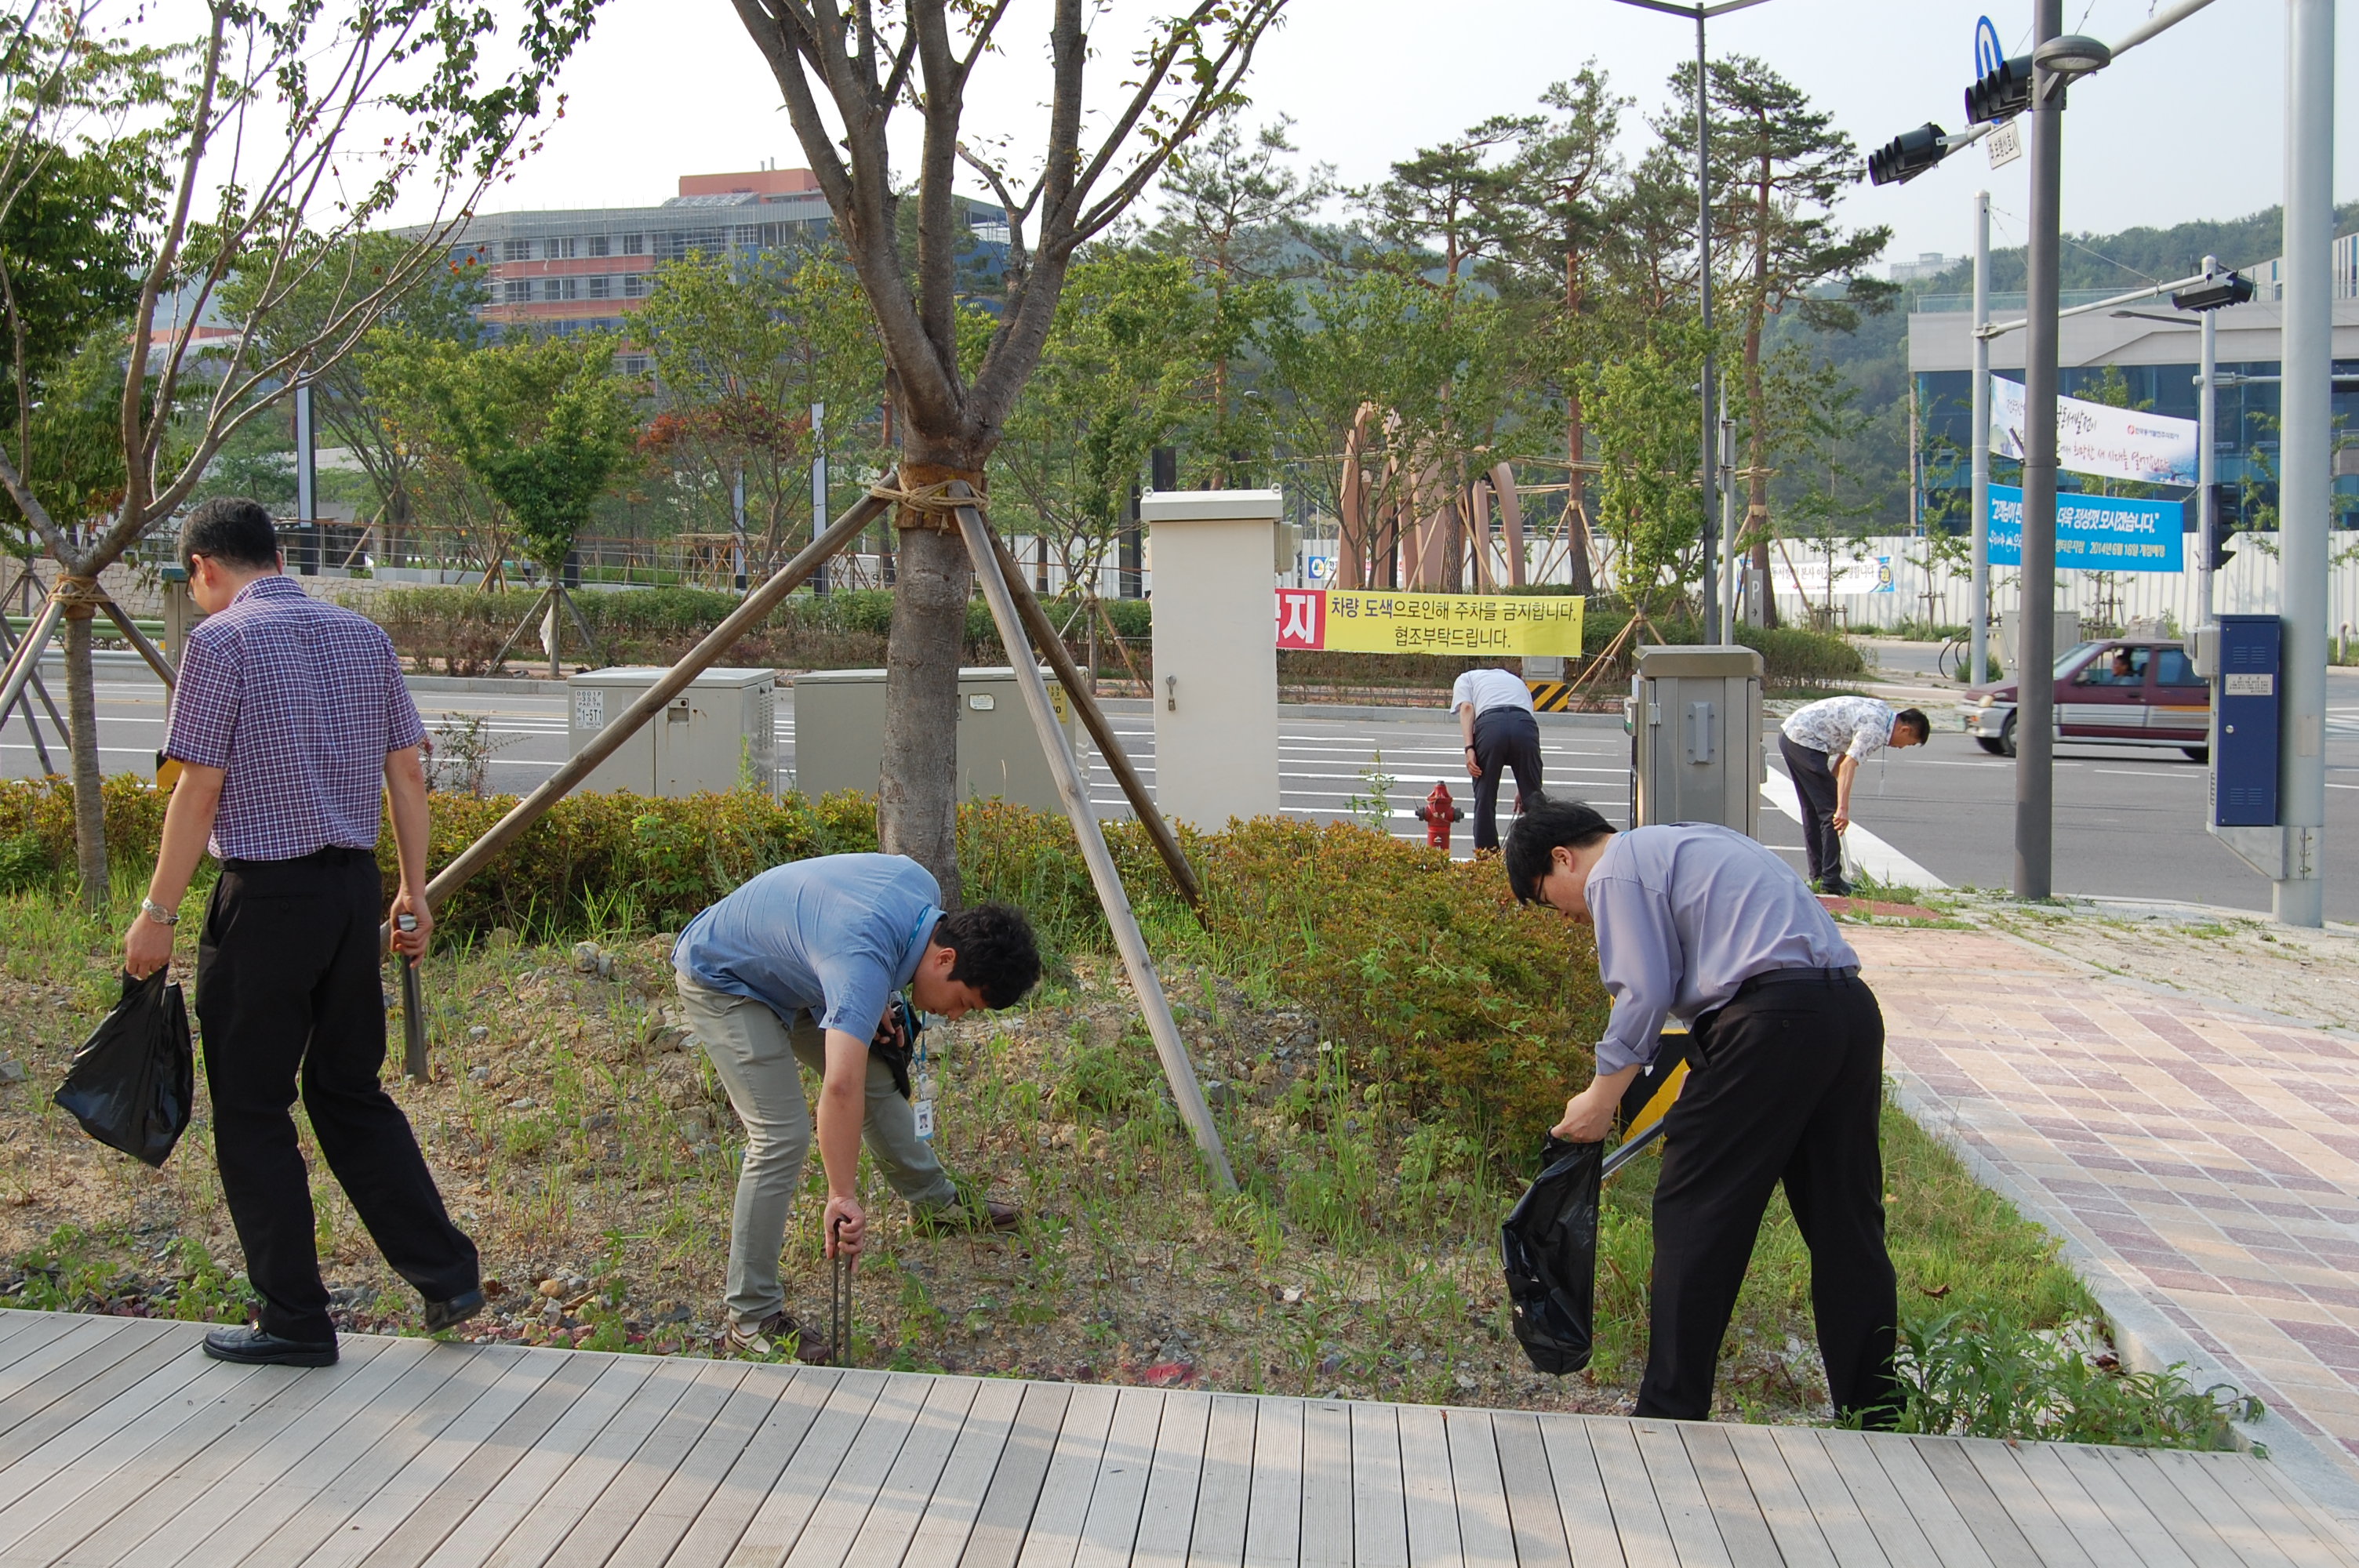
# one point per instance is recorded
(1215, 694)
(720, 733)
(2245, 722)
(1694, 718)
(840, 735)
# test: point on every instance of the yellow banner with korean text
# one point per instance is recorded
(1379, 621)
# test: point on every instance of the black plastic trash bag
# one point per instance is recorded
(1548, 1246)
(130, 1083)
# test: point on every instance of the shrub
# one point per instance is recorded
(1790, 656)
(1994, 1378)
(1425, 968)
(458, 630)
(37, 830)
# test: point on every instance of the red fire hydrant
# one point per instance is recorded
(1437, 813)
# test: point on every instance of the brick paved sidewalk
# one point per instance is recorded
(2206, 1161)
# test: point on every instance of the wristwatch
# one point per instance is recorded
(158, 914)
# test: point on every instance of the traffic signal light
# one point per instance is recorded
(2001, 94)
(1907, 155)
(2223, 542)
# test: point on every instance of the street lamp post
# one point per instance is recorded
(2207, 455)
(1708, 385)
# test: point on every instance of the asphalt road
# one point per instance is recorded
(2128, 820)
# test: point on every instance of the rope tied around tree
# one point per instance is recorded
(923, 499)
(79, 597)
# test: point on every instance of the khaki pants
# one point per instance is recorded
(755, 1055)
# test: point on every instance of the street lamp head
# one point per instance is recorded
(1907, 155)
(2072, 54)
(2217, 290)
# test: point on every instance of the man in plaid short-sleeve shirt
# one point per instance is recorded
(290, 723)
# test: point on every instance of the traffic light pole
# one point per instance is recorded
(2034, 713)
(1978, 530)
(2305, 478)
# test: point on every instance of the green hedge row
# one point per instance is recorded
(1425, 968)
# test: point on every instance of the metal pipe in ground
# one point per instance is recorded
(1178, 1070)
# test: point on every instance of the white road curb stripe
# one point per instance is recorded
(1876, 858)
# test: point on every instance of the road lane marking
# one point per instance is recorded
(1876, 858)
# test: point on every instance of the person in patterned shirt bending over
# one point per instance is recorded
(290, 723)
(1823, 744)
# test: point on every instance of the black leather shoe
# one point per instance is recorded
(440, 1315)
(254, 1346)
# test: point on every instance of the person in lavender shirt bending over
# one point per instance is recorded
(1701, 922)
(290, 723)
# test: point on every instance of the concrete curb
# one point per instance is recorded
(2148, 1339)
(1140, 708)
(515, 685)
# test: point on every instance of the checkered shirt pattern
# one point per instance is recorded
(298, 702)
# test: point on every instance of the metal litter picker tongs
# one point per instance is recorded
(839, 1303)
(1649, 1099)
(413, 1010)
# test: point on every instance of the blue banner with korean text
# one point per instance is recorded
(2094, 533)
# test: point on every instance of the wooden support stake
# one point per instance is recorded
(654, 700)
(1178, 1071)
(1093, 718)
(28, 656)
(147, 650)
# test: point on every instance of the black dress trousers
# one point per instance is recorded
(1791, 1088)
(1816, 791)
(289, 990)
(1504, 738)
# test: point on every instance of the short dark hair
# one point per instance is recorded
(231, 529)
(1915, 718)
(1532, 841)
(995, 953)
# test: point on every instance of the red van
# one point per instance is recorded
(2125, 691)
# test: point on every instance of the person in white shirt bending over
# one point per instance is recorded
(1496, 716)
(1823, 744)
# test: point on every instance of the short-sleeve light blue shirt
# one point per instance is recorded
(834, 936)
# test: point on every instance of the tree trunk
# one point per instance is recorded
(917, 787)
(88, 783)
(1576, 506)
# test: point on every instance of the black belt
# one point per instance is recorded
(332, 855)
(1795, 976)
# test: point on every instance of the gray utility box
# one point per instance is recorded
(840, 735)
(2010, 637)
(1694, 718)
(721, 732)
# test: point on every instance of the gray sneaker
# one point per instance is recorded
(777, 1332)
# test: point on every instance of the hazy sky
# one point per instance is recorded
(2190, 126)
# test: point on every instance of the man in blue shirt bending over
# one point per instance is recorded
(802, 964)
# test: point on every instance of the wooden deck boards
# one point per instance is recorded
(120, 1444)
